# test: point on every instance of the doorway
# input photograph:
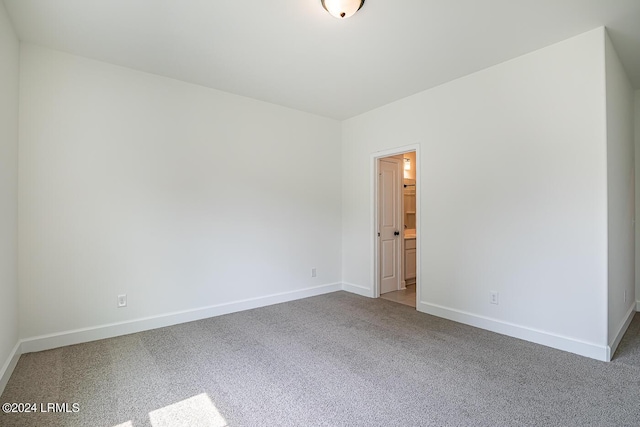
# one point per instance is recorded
(396, 232)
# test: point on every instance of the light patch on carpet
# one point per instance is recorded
(196, 411)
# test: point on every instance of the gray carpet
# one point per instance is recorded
(334, 360)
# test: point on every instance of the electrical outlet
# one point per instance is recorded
(493, 297)
(122, 300)
(313, 272)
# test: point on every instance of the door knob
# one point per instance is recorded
(396, 233)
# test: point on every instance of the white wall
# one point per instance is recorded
(621, 198)
(513, 195)
(9, 80)
(637, 199)
(179, 196)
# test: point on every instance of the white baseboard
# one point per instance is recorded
(587, 349)
(47, 342)
(357, 289)
(638, 306)
(9, 366)
(622, 328)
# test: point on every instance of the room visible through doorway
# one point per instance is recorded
(397, 228)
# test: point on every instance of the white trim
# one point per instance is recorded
(374, 226)
(373, 161)
(621, 330)
(638, 306)
(47, 342)
(583, 348)
(357, 289)
(9, 366)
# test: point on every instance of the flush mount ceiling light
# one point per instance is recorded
(342, 8)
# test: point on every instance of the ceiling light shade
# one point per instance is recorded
(342, 8)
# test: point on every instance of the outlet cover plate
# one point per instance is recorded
(122, 300)
(493, 297)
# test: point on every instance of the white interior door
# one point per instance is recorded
(389, 222)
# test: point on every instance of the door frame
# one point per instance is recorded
(375, 249)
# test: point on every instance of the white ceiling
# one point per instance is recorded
(293, 53)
